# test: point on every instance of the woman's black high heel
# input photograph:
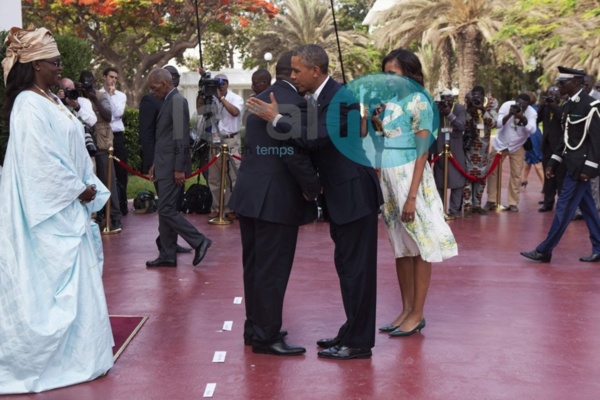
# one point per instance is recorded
(524, 184)
(398, 332)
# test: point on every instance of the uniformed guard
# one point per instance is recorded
(581, 157)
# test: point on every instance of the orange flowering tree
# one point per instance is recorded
(135, 36)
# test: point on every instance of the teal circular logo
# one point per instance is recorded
(396, 107)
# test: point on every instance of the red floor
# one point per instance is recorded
(498, 326)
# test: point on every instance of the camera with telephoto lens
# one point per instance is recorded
(443, 104)
(477, 100)
(516, 108)
(72, 94)
(90, 143)
(208, 87)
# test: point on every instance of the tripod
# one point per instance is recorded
(209, 130)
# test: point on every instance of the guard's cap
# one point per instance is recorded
(565, 73)
(446, 92)
(172, 70)
(222, 76)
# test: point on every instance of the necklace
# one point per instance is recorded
(53, 100)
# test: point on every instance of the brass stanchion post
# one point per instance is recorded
(499, 183)
(445, 196)
(221, 220)
(107, 230)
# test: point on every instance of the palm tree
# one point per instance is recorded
(579, 47)
(449, 25)
(302, 22)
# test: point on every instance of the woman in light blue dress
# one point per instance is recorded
(413, 210)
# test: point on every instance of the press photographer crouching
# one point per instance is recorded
(452, 127)
(82, 108)
(223, 118)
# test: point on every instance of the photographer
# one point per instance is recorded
(227, 108)
(549, 114)
(82, 108)
(104, 140)
(516, 121)
(481, 118)
(452, 127)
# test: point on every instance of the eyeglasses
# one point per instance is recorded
(56, 63)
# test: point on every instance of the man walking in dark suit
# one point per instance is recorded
(274, 181)
(149, 109)
(581, 157)
(172, 160)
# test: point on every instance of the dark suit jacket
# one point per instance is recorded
(455, 178)
(552, 137)
(149, 108)
(587, 157)
(172, 142)
(351, 190)
(273, 174)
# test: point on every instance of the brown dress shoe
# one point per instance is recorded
(231, 215)
(213, 214)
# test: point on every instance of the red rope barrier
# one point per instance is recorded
(134, 172)
(433, 161)
(236, 157)
(474, 178)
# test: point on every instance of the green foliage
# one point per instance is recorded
(76, 55)
(131, 120)
(351, 14)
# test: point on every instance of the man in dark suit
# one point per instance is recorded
(452, 127)
(171, 162)
(274, 181)
(149, 109)
(352, 195)
(549, 114)
(581, 157)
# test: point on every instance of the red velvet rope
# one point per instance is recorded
(236, 157)
(470, 177)
(134, 172)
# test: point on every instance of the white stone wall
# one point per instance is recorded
(10, 15)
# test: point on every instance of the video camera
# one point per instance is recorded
(208, 87)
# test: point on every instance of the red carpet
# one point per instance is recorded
(124, 328)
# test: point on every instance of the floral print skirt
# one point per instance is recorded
(428, 235)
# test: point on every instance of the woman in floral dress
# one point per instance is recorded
(413, 210)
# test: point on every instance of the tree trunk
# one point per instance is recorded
(446, 67)
(468, 45)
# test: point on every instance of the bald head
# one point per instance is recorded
(66, 83)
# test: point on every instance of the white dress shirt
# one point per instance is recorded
(117, 105)
(86, 111)
(511, 136)
(228, 124)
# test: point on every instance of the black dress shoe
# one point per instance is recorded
(345, 353)
(248, 339)
(537, 256)
(279, 349)
(329, 342)
(159, 262)
(577, 217)
(593, 258)
(201, 251)
(545, 208)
